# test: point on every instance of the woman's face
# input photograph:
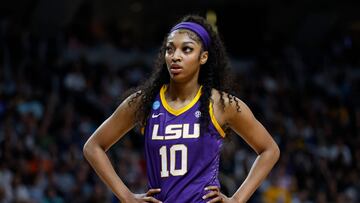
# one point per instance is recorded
(184, 56)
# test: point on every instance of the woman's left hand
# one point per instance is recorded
(216, 196)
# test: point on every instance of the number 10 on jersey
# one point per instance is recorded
(164, 160)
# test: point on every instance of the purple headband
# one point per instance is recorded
(198, 29)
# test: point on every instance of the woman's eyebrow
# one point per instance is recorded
(188, 42)
(171, 43)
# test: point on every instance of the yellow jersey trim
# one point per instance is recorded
(142, 130)
(214, 121)
(177, 112)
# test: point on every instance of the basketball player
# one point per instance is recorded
(184, 110)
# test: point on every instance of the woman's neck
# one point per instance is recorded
(181, 91)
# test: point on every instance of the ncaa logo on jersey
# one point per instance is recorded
(156, 105)
(197, 114)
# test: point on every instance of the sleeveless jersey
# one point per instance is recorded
(180, 159)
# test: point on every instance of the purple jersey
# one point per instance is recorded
(180, 159)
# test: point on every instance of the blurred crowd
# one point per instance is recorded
(55, 91)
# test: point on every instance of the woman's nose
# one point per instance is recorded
(176, 56)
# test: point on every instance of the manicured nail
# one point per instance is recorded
(204, 197)
(206, 188)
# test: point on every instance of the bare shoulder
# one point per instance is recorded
(134, 100)
(128, 107)
(226, 106)
(225, 100)
(222, 104)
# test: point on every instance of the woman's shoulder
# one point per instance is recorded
(229, 109)
(224, 105)
(223, 98)
(134, 98)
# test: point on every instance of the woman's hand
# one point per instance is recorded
(146, 197)
(216, 196)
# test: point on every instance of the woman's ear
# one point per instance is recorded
(204, 57)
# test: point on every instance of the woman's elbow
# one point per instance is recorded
(88, 149)
(276, 152)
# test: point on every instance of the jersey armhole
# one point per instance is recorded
(214, 121)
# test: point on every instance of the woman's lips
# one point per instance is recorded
(175, 69)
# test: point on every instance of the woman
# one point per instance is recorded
(183, 110)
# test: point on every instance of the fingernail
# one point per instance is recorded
(204, 197)
(206, 188)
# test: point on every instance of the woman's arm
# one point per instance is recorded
(239, 118)
(109, 132)
(253, 132)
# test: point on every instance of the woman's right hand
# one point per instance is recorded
(147, 197)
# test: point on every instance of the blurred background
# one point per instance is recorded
(65, 64)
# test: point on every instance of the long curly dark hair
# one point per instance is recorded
(213, 74)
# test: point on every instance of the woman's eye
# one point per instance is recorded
(169, 49)
(187, 49)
